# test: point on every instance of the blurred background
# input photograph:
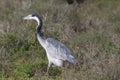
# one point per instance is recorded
(90, 28)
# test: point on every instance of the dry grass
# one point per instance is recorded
(91, 31)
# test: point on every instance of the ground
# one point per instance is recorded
(89, 29)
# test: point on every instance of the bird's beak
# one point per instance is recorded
(27, 17)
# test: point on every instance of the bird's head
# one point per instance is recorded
(33, 16)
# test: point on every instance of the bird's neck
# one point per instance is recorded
(38, 29)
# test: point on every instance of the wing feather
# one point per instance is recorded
(58, 50)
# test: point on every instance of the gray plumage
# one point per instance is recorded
(58, 50)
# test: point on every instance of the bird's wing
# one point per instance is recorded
(58, 50)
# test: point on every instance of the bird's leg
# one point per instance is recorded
(49, 64)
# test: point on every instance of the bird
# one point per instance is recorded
(56, 51)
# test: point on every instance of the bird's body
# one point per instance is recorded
(55, 50)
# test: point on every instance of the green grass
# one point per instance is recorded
(90, 30)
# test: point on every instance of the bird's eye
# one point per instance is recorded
(33, 15)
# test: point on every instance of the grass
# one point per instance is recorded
(90, 30)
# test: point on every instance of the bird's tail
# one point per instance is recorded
(73, 60)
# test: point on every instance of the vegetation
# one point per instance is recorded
(90, 29)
